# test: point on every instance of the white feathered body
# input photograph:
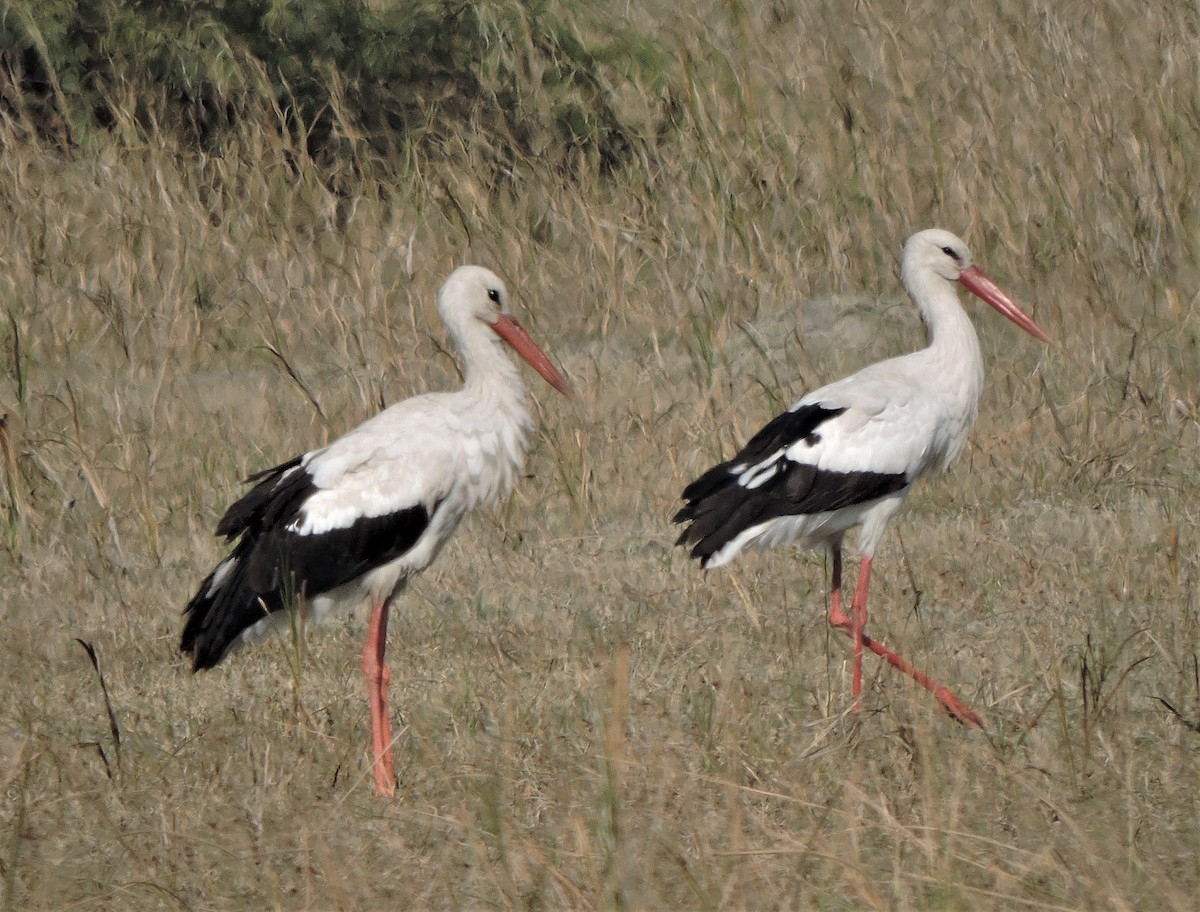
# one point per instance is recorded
(847, 454)
(352, 521)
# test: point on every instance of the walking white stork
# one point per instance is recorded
(848, 453)
(354, 520)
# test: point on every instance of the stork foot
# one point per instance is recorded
(946, 697)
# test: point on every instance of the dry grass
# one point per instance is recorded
(587, 721)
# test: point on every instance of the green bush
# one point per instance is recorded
(350, 81)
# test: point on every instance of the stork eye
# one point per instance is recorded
(949, 251)
(494, 295)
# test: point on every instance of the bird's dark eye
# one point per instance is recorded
(949, 251)
(494, 295)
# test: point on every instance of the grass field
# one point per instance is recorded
(589, 722)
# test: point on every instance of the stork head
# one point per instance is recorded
(935, 252)
(473, 293)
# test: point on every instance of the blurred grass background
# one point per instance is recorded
(700, 225)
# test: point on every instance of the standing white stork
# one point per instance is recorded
(848, 453)
(354, 520)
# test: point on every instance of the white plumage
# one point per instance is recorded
(847, 454)
(354, 520)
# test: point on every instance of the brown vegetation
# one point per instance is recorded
(590, 722)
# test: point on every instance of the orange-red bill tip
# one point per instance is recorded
(986, 290)
(515, 335)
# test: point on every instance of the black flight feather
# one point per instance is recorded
(271, 567)
(718, 508)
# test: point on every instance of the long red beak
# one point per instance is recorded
(515, 335)
(985, 289)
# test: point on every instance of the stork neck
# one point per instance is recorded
(953, 344)
(490, 376)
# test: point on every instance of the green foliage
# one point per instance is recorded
(349, 81)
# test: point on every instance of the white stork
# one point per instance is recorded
(848, 453)
(354, 520)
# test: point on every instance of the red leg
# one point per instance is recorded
(376, 672)
(837, 617)
(856, 622)
(945, 696)
(858, 625)
(855, 625)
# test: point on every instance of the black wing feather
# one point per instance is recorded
(262, 504)
(271, 566)
(718, 507)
